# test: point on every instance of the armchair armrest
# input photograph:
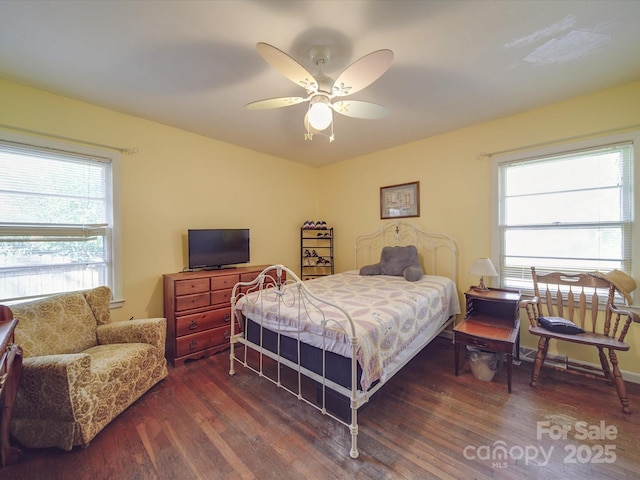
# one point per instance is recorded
(620, 311)
(532, 307)
(147, 330)
(48, 384)
(528, 301)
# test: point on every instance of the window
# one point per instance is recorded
(57, 219)
(569, 211)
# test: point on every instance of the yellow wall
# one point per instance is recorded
(455, 185)
(176, 181)
(179, 180)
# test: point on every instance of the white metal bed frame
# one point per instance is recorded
(271, 281)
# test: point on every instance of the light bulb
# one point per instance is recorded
(320, 116)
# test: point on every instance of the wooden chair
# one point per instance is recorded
(576, 297)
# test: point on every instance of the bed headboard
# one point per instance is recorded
(437, 251)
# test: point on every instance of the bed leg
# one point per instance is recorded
(232, 370)
(354, 433)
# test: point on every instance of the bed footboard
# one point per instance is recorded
(274, 349)
(336, 352)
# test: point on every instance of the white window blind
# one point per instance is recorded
(570, 212)
(56, 221)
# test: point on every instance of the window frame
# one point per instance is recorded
(524, 154)
(113, 157)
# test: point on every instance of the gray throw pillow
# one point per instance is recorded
(560, 325)
(398, 262)
(371, 270)
(412, 273)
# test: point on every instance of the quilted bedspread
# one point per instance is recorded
(388, 314)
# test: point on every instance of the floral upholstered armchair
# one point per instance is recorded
(80, 369)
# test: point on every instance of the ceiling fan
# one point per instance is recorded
(322, 90)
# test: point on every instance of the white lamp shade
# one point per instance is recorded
(483, 267)
(320, 116)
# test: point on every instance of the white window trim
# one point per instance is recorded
(497, 160)
(115, 158)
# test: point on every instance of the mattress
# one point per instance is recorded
(389, 314)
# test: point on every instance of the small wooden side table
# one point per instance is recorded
(491, 323)
(10, 371)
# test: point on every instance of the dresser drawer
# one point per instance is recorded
(249, 277)
(269, 280)
(196, 285)
(501, 344)
(224, 282)
(197, 306)
(221, 297)
(198, 322)
(197, 300)
(200, 341)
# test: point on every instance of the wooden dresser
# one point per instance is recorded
(197, 307)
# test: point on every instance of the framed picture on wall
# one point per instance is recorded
(397, 201)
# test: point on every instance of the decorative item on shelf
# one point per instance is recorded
(306, 262)
(311, 225)
(482, 267)
(316, 249)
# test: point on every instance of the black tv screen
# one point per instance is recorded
(216, 248)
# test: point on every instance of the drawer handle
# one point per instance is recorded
(227, 334)
(227, 317)
(193, 325)
(480, 343)
(193, 344)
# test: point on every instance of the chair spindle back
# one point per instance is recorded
(576, 297)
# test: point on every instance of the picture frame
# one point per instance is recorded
(400, 201)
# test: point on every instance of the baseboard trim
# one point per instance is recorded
(529, 354)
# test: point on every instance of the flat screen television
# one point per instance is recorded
(217, 248)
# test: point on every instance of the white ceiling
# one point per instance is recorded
(194, 65)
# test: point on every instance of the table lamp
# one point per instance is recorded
(482, 267)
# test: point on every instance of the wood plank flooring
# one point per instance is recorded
(200, 423)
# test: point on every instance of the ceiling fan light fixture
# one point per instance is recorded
(320, 113)
(321, 89)
(311, 131)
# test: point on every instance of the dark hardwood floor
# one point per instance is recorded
(200, 423)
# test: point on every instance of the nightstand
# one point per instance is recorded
(491, 323)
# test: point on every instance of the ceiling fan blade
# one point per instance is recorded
(359, 109)
(362, 73)
(287, 66)
(274, 103)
